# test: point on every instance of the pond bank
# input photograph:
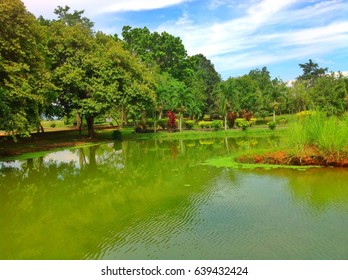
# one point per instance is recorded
(310, 157)
(53, 140)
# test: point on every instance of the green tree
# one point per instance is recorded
(311, 71)
(181, 99)
(158, 49)
(94, 72)
(201, 79)
(24, 80)
(329, 93)
(227, 97)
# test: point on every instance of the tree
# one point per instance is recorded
(227, 97)
(181, 99)
(24, 80)
(311, 71)
(299, 96)
(157, 49)
(328, 94)
(93, 72)
(201, 79)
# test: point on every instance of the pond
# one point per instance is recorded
(155, 200)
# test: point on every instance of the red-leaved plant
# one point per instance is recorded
(171, 120)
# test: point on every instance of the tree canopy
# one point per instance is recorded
(61, 67)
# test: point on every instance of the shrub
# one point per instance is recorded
(246, 115)
(252, 121)
(171, 120)
(117, 135)
(272, 125)
(206, 118)
(231, 118)
(305, 114)
(216, 124)
(239, 121)
(205, 124)
(162, 123)
(150, 122)
(244, 125)
(189, 124)
(53, 125)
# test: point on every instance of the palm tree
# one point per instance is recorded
(181, 100)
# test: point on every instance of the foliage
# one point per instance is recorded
(25, 87)
(189, 124)
(311, 70)
(231, 118)
(162, 123)
(216, 124)
(117, 135)
(328, 135)
(205, 124)
(171, 120)
(305, 114)
(272, 125)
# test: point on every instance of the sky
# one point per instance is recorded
(236, 36)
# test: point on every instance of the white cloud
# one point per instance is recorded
(271, 31)
(46, 7)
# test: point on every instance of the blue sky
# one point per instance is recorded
(236, 36)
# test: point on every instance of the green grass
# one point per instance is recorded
(328, 134)
(58, 124)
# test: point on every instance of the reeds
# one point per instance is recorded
(329, 135)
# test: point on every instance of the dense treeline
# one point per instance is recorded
(62, 67)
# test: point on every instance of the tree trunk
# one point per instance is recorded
(154, 122)
(274, 115)
(90, 122)
(180, 122)
(79, 122)
(226, 121)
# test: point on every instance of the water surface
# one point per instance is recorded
(154, 200)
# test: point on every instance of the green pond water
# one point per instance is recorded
(155, 200)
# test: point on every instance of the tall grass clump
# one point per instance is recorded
(298, 138)
(333, 137)
(329, 135)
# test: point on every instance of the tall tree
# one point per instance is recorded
(161, 49)
(311, 71)
(93, 71)
(201, 79)
(24, 80)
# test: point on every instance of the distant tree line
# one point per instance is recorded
(63, 67)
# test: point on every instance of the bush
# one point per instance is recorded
(53, 125)
(239, 121)
(244, 125)
(305, 114)
(189, 124)
(162, 123)
(172, 121)
(231, 119)
(117, 135)
(272, 125)
(206, 118)
(150, 122)
(217, 124)
(205, 124)
(252, 121)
